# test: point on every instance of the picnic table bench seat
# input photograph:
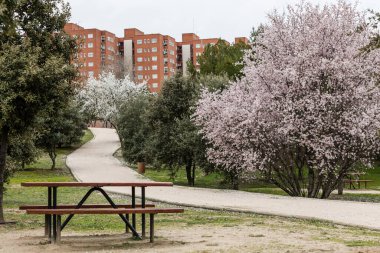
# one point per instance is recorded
(96, 206)
(120, 211)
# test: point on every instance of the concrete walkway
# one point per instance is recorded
(94, 162)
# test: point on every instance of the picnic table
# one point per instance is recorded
(53, 210)
(354, 178)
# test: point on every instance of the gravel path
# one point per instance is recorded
(94, 162)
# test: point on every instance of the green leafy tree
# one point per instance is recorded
(255, 33)
(62, 129)
(175, 141)
(214, 83)
(22, 148)
(221, 59)
(35, 69)
(134, 129)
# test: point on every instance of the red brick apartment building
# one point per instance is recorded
(97, 49)
(150, 58)
(153, 57)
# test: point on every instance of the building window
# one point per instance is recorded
(154, 58)
(171, 43)
(91, 64)
(154, 49)
(154, 76)
(198, 54)
(90, 45)
(90, 55)
(90, 36)
(139, 50)
(198, 45)
(139, 59)
(154, 85)
(90, 73)
(171, 52)
(154, 67)
(139, 42)
(110, 39)
(140, 77)
(154, 40)
(139, 68)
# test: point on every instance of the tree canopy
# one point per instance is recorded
(174, 139)
(307, 111)
(134, 128)
(103, 97)
(221, 59)
(35, 70)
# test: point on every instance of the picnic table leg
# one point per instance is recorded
(54, 216)
(151, 234)
(133, 206)
(143, 215)
(48, 217)
(126, 226)
(58, 233)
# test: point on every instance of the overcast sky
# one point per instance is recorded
(208, 18)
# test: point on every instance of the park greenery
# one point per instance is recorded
(36, 76)
(296, 109)
(220, 59)
(300, 115)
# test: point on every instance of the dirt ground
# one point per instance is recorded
(241, 238)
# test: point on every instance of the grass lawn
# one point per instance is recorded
(215, 180)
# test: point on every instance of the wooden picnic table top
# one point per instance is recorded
(94, 184)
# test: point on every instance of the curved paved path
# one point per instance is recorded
(94, 162)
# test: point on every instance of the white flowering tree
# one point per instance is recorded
(307, 111)
(103, 97)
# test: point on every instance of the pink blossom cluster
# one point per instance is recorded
(309, 99)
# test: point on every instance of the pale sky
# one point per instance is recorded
(208, 18)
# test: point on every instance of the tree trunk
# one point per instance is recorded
(235, 181)
(340, 187)
(3, 156)
(52, 156)
(193, 181)
(189, 164)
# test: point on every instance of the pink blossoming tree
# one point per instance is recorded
(307, 111)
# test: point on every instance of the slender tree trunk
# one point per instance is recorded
(3, 156)
(189, 164)
(53, 156)
(235, 182)
(193, 176)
